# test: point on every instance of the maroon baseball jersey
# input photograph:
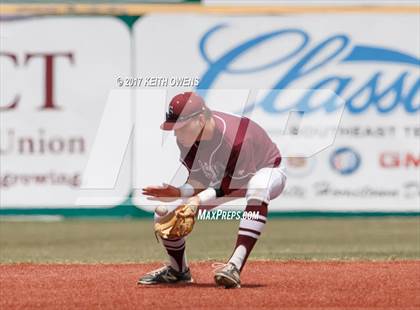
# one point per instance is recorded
(237, 150)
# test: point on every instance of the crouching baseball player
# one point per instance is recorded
(226, 155)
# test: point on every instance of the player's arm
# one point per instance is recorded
(161, 192)
(191, 188)
(167, 192)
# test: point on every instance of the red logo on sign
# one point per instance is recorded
(49, 64)
(397, 160)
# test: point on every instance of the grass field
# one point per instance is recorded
(312, 263)
(124, 241)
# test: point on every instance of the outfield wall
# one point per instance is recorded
(58, 72)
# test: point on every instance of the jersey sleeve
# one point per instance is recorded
(195, 174)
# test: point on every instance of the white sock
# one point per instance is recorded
(238, 256)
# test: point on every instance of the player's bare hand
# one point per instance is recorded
(165, 192)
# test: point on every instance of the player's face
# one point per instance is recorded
(187, 135)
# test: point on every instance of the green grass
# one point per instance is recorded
(91, 241)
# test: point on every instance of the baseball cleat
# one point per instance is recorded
(228, 276)
(166, 275)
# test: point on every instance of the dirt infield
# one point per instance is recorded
(266, 285)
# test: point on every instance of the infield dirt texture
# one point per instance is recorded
(353, 263)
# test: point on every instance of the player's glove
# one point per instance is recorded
(178, 223)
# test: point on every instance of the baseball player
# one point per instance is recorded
(226, 155)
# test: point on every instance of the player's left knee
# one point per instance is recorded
(266, 185)
(258, 190)
(257, 197)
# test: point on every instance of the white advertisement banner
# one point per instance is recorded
(339, 97)
(370, 62)
(311, 3)
(56, 76)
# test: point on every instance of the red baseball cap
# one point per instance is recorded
(181, 109)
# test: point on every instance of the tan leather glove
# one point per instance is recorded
(178, 223)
